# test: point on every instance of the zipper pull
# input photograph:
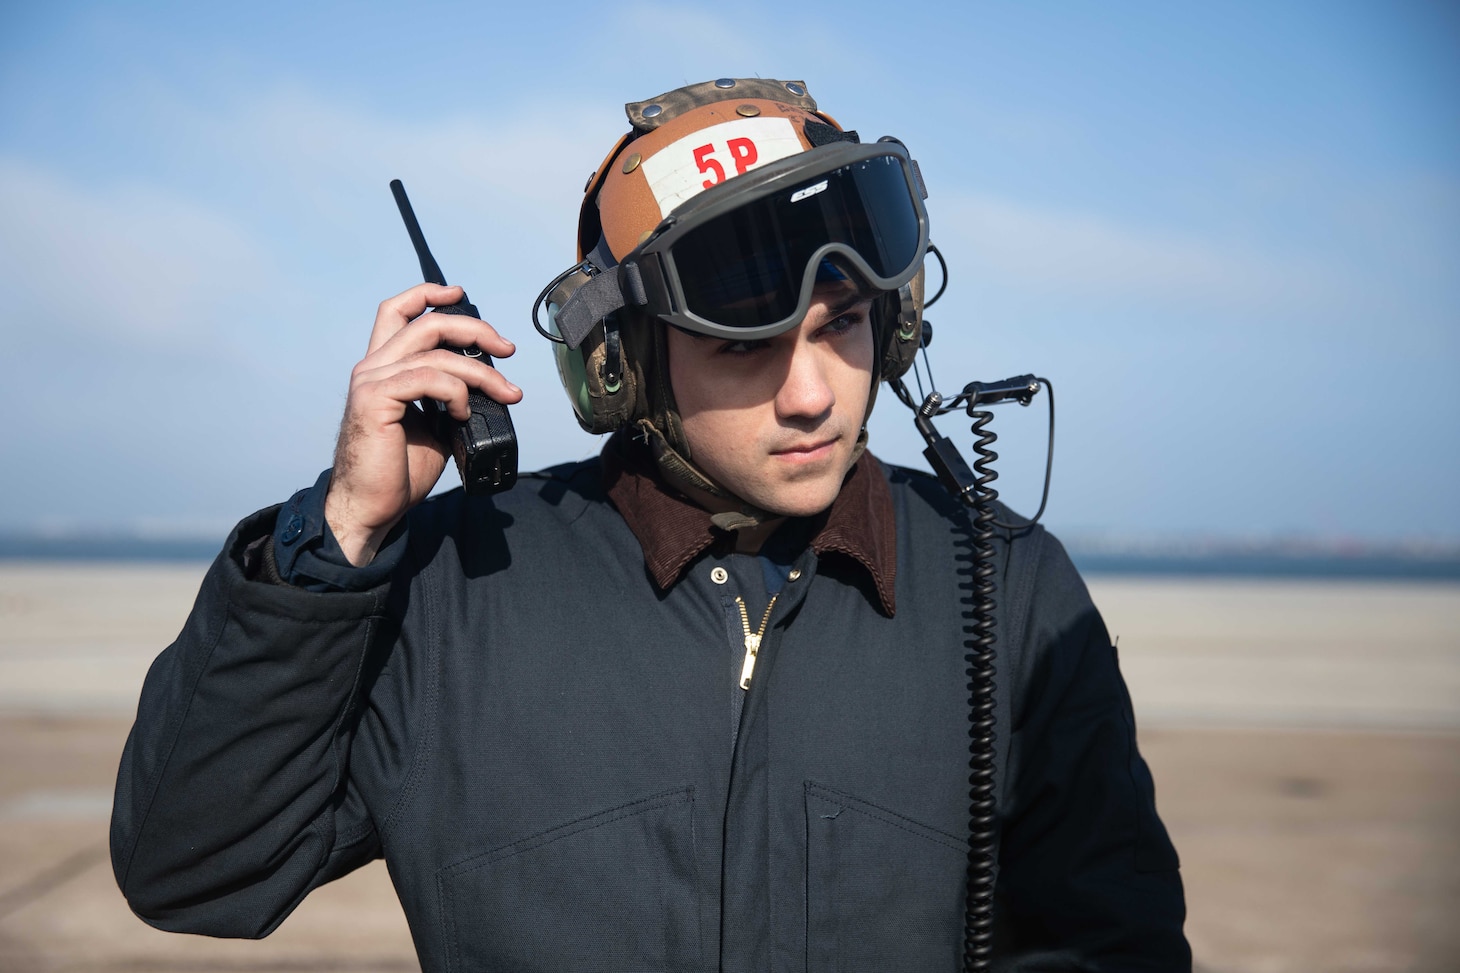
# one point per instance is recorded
(752, 648)
(752, 639)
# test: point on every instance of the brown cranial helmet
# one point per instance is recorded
(670, 172)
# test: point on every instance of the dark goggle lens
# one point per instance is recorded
(744, 269)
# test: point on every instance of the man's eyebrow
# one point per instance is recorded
(847, 303)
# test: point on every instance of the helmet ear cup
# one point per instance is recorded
(903, 333)
(602, 397)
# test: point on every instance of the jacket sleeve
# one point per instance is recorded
(232, 798)
(1089, 879)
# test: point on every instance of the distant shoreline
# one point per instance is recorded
(1359, 567)
(1247, 560)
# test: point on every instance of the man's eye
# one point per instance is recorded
(741, 347)
(844, 323)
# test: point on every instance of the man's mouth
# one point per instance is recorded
(806, 452)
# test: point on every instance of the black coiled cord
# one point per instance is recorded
(978, 927)
(974, 489)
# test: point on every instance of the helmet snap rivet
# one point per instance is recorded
(632, 163)
(725, 83)
(651, 111)
(749, 111)
(795, 88)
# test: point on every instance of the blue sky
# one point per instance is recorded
(1230, 233)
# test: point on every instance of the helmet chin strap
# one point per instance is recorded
(689, 480)
(676, 469)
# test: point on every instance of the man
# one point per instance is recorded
(698, 704)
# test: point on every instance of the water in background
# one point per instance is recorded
(106, 547)
(1272, 566)
(1217, 558)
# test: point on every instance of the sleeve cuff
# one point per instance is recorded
(308, 556)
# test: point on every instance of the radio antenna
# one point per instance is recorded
(430, 270)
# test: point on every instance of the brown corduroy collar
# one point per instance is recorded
(673, 531)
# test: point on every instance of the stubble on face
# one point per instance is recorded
(776, 422)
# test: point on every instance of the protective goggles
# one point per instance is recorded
(740, 260)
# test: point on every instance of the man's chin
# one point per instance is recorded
(802, 489)
(797, 499)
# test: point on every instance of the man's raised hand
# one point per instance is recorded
(386, 458)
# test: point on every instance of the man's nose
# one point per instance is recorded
(806, 391)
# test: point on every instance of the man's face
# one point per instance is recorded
(776, 421)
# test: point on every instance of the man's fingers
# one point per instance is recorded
(435, 329)
(396, 312)
(435, 374)
(475, 373)
(424, 382)
(432, 330)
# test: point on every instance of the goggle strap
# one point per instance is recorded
(820, 133)
(590, 304)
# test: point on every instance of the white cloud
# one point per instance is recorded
(531, 151)
(1085, 256)
(134, 262)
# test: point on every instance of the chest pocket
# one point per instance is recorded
(884, 892)
(616, 891)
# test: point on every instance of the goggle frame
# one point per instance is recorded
(650, 274)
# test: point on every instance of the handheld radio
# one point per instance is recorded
(485, 444)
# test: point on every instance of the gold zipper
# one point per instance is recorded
(752, 639)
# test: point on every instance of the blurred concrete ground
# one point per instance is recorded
(1305, 740)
